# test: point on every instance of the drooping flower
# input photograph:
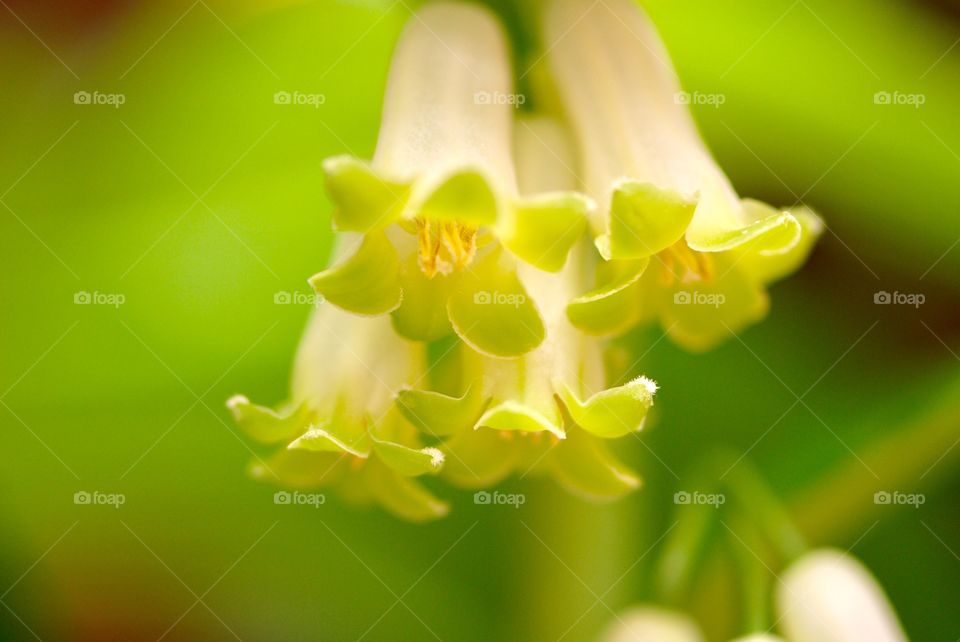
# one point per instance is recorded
(548, 411)
(476, 372)
(439, 204)
(678, 243)
(828, 596)
(340, 428)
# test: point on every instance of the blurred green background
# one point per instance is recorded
(199, 198)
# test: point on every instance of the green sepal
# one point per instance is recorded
(265, 424)
(513, 416)
(422, 316)
(441, 415)
(769, 231)
(541, 230)
(409, 462)
(612, 413)
(478, 458)
(368, 282)
(769, 265)
(364, 201)
(492, 312)
(644, 219)
(402, 496)
(584, 466)
(465, 196)
(614, 306)
(322, 439)
(299, 468)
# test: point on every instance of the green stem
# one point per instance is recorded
(754, 577)
(753, 503)
(571, 553)
(754, 496)
(683, 553)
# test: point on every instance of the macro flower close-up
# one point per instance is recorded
(560, 320)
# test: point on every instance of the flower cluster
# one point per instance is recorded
(477, 275)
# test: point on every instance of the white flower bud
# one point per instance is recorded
(652, 624)
(828, 596)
